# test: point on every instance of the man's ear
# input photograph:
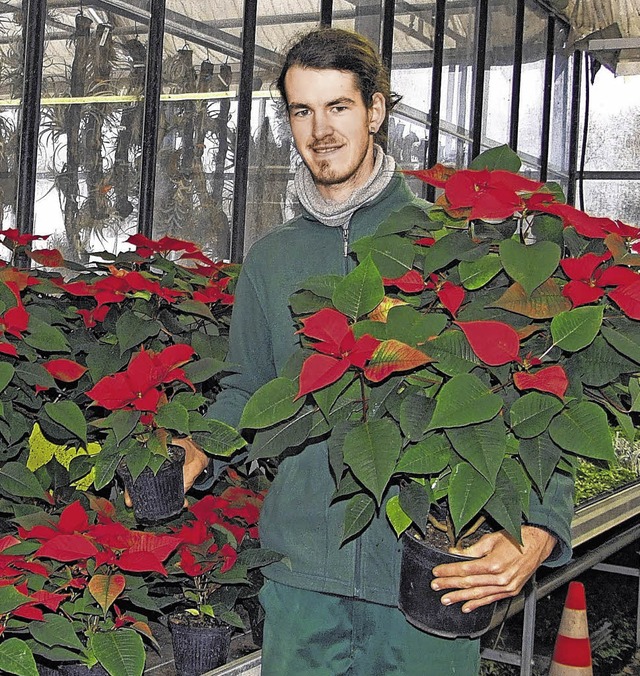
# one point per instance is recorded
(377, 112)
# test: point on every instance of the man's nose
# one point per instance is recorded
(321, 126)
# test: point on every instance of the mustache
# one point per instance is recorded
(325, 143)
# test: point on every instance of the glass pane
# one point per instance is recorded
(87, 186)
(411, 75)
(363, 16)
(532, 84)
(498, 73)
(614, 122)
(272, 157)
(560, 109)
(613, 199)
(457, 80)
(196, 136)
(10, 91)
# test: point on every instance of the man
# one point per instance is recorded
(333, 610)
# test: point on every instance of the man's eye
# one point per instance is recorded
(301, 113)
(339, 109)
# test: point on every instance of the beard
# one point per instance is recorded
(337, 171)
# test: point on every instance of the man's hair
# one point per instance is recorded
(347, 51)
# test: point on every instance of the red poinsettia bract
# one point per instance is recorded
(588, 279)
(146, 247)
(65, 370)
(552, 379)
(66, 539)
(339, 348)
(139, 386)
(495, 343)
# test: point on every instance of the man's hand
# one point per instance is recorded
(500, 570)
(195, 462)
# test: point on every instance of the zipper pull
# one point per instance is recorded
(345, 240)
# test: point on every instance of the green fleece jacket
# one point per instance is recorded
(298, 518)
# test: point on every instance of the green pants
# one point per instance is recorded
(311, 634)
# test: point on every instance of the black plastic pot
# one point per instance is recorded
(198, 649)
(81, 670)
(421, 605)
(46, 668)
(158, 496)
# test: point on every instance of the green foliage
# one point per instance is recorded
(514, 351)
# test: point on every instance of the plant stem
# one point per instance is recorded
(365, 401)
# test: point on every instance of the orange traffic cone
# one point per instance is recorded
(572, 652)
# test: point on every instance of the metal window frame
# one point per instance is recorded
(547, 99)
(516, 77)
(243, 140)
(151, 117)
(33, 46)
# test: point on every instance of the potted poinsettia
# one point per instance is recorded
(479, 349)
(144, 331)
(76, 594)
(213, 567)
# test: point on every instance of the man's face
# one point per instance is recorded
(332, 128)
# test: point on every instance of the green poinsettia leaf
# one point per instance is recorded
(272, 403)
(599, 364)
(404, 219)
(505, 505)
(415, 500)
(371, 450)
(173, 416)
(119, 652)
(483, 446)
(468, 494)
(412, 327)
(499, 157)
(476, 274)
(358, 514)
(529, 264)
(55, 630)
(464, 400)
(203, 369)
(449, 248)
(575, 329)
(360, 291)
(625, 338)
(10, 599)
(531, 414)
(219, 439)
(44, 337)
(18, 481)
(69, 415)
(132, 330)
(429, 456)
(16, 658)
(398, 518)
(452, 353)
(273, 441)
(393, 255)
(415, 414)
(6, 374)
(583, 429)
(539, 455)
(322, 285)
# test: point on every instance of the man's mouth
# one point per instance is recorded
(323, 150)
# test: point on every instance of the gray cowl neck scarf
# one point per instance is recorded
(338, 214)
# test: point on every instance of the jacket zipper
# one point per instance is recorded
(345, 241)
(357, 563)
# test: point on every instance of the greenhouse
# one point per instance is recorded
(294, 295)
